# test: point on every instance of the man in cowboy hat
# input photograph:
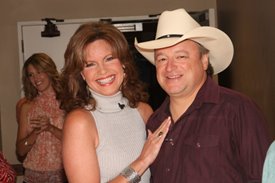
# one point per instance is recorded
(217, 135)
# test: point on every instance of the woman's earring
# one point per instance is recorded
(88, 91)
(123, 67)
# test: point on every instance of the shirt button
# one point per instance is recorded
(167, 169)
(198, 145)
(170, 140)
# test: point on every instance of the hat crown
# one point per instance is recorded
(177, 26)
(167, 26)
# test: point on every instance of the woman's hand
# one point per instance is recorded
(151, 147)
(40, 124)
(149, 152)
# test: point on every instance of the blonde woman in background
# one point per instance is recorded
(40, 122)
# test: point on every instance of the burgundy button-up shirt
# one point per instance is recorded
(221, 138)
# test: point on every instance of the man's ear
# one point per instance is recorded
(205, 61)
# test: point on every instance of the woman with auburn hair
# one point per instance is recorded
(104, 137)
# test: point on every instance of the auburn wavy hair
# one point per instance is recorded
(76, 94)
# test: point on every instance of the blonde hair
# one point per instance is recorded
(42, 62)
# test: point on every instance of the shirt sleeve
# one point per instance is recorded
(269, 165)
(251, 139)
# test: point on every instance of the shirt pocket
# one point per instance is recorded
(201, 153)
(203, 141)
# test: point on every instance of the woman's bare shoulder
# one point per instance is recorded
(26, 105)
(145, 110)
(78, 118)
(80, 122)
(20, 102)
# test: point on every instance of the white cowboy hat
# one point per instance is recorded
(176, 26)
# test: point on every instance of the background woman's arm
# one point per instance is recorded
(24, 140)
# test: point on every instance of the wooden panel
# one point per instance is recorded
(252, 29)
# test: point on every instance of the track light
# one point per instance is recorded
(50, 29)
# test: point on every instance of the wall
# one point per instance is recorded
(252, 28)
(13, 11)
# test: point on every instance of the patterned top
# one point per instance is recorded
(7, 174)
(45, 154)
(122, 134)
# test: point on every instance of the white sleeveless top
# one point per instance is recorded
(122, 134)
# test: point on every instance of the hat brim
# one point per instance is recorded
(217, 42)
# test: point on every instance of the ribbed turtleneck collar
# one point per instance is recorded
(112, 103)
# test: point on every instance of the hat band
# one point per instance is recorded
(170, 35)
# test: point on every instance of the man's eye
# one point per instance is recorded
(182, 57)
(161, 59)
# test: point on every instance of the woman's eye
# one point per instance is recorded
(109, 58)
(89, 64)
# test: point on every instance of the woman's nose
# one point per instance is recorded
(102, 69)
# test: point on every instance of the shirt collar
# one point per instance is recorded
(208, 93)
